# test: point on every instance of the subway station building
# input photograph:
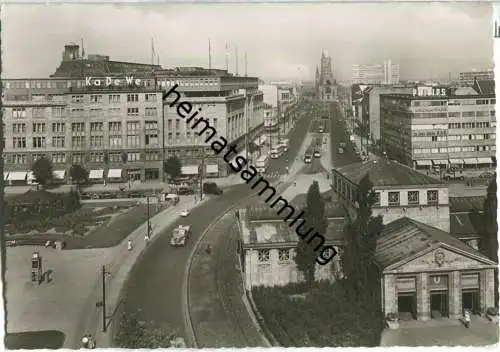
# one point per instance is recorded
(426, 272)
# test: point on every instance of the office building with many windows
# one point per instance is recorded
(441, 127)
(110, 117)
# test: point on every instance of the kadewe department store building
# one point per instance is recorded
(426, 273)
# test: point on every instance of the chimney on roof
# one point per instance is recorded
(71, 52)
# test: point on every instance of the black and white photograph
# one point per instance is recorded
(249, 174)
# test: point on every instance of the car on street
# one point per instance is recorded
(180, 235)
(184, 213)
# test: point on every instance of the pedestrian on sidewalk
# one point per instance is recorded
(146, 239)
(208, 249)
(129, 245)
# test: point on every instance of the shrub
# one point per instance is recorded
(211, 188)
(320, 319)
(137, 334)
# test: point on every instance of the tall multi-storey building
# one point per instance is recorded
(441, 127)
(370, 107)
(232, 104)
(110, 117)
(467, 78)
(386, 73)
(326, 86)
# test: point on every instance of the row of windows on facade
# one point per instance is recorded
(462, 137)
(60, 127)
(62, 158)
(436, 102)
(284, 255)
(59, 84)
(113, 98)
(468, 114)
(212, 122)
(133, 140)
(470, 148)
(348, 192)
(60, 112)
(442, 129)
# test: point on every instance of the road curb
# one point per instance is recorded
(185, 281)
(88, 324)
(137, 261)
(185, 284)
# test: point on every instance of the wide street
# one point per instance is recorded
(339, 134)
(154, 289)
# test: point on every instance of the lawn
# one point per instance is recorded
(322, 317)
(87, 227)
(48, 339)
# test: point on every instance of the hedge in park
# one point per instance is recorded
(326, 316)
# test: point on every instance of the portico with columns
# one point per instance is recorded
(429, 274)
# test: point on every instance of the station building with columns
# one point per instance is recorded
(426, 272)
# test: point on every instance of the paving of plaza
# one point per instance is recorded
(67, 302)
(443, 332)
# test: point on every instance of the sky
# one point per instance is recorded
(282, 41)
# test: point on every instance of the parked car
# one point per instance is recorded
(183, 191)
(212, 188)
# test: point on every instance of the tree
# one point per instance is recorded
(42, 170)
(106, 158)
(78, 174)
(305, 257)
(138, 334)
(488, 243)
(124, 157)
(173, 167)
(358, 259)
(489, 239)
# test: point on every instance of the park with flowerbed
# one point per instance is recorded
(36, 217)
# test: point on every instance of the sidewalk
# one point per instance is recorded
(120, 266)
(68, 302)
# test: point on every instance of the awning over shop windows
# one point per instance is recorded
(17, 175)
(114, 173)
(470, 161)
(456, 161)
(189, 170)
(96, 174)
(440, 162)
(484, 161)
(59, 174)
(5, 176)
(423, 162)
(212, 169)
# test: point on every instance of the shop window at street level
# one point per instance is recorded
(263, 255)
(432, 197)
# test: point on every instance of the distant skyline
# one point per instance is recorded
(282, 41)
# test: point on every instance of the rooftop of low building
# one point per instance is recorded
(384, 172)
(466, 204)
(406, 237)
(277, 233)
